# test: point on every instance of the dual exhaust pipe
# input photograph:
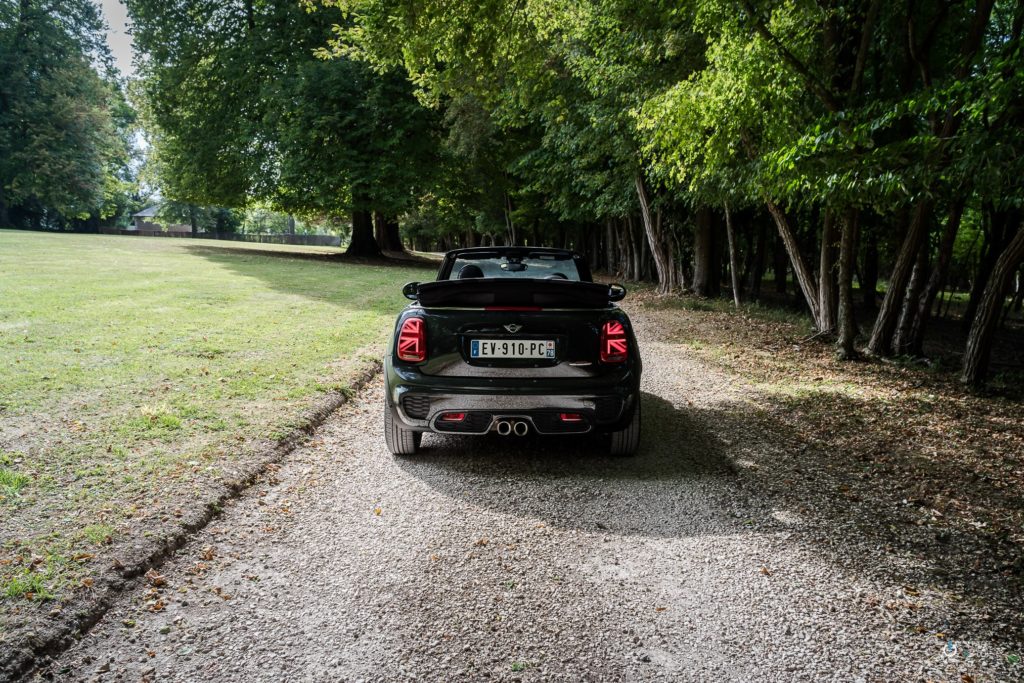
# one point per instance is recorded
(517, 427)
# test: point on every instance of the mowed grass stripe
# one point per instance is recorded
(136, 371)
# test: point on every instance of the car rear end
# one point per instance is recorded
(513, 370)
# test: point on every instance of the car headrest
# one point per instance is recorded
(470, 270)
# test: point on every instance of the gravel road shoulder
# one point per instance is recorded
(529, 559)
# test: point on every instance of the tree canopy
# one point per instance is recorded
(880, 143)
(65, 126)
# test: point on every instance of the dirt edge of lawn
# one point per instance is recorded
(33, 642)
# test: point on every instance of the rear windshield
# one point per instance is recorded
(554, 266)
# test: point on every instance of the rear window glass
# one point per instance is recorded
(534, 266)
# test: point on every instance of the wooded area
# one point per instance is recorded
(828, 144)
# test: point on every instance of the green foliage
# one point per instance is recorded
(65, 127)
(240, 112)
(28, 584)
(12, 482)
(206, 218)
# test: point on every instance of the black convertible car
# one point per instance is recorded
(512, 340)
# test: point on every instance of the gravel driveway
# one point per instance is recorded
(527, 559)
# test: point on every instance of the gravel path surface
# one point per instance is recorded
(524, 559)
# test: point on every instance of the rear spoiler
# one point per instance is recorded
(508, 291)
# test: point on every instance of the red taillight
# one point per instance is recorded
(412, 341)
(452, 417)
(570, 417)
(614, 344)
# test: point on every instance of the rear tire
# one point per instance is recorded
(401, 441)
(625, 441)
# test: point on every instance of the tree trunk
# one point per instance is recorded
(625, 259)
(734, 261)
(378, 230)
(387, 236)
(979, 342)
(995, 228)
(780, 265)
(869, 283)
(703, 253)
(885, 324)
(756, 274)
(192, 219)
(609, 246)
(510, 226)
(1018, 300)
(679, 262)
(634, 267)
(363, 242)
(655, 240)
(847, 254)
(915, 291)
(393, 236)
(803, 275)
(826, 274)
(914, 343)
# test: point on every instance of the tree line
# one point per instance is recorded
(66, 128)
(864, 132)
(695, 143)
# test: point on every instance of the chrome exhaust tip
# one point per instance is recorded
(504, 427)
(520, 428)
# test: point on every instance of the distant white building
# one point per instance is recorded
(147, 220)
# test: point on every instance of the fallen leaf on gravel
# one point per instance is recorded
(87, 582)
(766, 571)
(377, 511)
(967, 678)
(208, 553)
(482, 541)
(82, 557)
(154, 578)
(660, 609)
(158, 606)
(910, 590)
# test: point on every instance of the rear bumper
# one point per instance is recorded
(418, 404)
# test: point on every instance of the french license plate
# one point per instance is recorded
(509, 348)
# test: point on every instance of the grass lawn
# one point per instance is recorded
(137, 372)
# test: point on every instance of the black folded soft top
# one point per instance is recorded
(514, 291)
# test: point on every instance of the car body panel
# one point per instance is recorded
(543, 392)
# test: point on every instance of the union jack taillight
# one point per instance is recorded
(614, 344)
(412, 341)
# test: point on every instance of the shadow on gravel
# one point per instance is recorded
(679, 484)
(880, 498)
